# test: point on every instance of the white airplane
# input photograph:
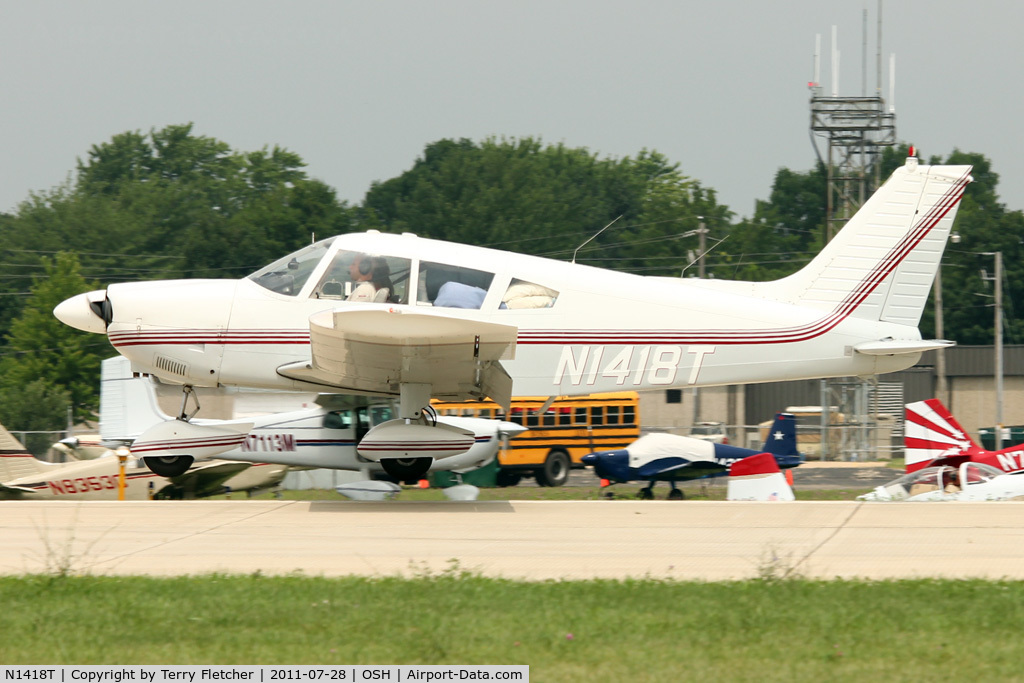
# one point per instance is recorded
(970, 481)
(454, 322)
(23, 477)
(320, 437)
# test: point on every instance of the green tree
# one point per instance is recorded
(521, 195)
(784, 233)
(34, 407)
(42, 349)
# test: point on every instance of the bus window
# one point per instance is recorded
(516, 415)
(597, 415)
(549, 418)
(613, 415)
(628, 415)
(487, 413)
(580, 416)
(565, 416)
(532, 419)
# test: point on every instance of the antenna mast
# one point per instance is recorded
(857, 128)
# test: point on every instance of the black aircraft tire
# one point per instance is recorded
(169, 467)
(555, 471)
(407, 470)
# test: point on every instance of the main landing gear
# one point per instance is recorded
(647, 493)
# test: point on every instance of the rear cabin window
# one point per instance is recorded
(452, 286)
(522, 294)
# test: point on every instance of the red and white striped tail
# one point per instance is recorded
(932, 432)
(758, 477)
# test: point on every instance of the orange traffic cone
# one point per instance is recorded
(789, 477)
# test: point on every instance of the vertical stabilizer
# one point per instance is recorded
(931, 432)
(781, 439)
(128, 404)
(758, 478)
(881, 265)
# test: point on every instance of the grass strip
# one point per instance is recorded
(766, 629)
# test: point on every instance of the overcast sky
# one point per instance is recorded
(358, 89)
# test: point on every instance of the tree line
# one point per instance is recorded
(174, 204)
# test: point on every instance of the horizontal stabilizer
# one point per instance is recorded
(16, 489)
(177, 437)
(893, 347)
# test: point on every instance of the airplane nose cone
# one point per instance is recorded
(80, 312)
(590, 459)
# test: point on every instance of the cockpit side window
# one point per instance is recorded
(522, 294)
(356, 276)
(452, 286)
(288, 275)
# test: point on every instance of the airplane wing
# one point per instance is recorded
(679, 468)
(208, 479)
(374, 350)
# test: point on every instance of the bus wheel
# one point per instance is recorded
(507, 478)
(555, 471)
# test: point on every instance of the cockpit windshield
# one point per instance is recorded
(289, 274)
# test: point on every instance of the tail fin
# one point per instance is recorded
(15, 461)
(932, 432)
(128, 404)
(781, 439)
(758, 478)
(881, 265)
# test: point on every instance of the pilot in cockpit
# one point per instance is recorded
(371, 279)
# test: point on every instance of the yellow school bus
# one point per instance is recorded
(566, 431)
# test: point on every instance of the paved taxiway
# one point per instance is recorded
(531, 540)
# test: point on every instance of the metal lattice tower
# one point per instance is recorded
(857, 128)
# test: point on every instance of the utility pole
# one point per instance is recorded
(702, 232)
(998, 332)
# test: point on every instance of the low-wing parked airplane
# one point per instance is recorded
(324, 436)
(970, 481)
(932, 436)
(453, 322)
(670, 457)
(23, 477)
